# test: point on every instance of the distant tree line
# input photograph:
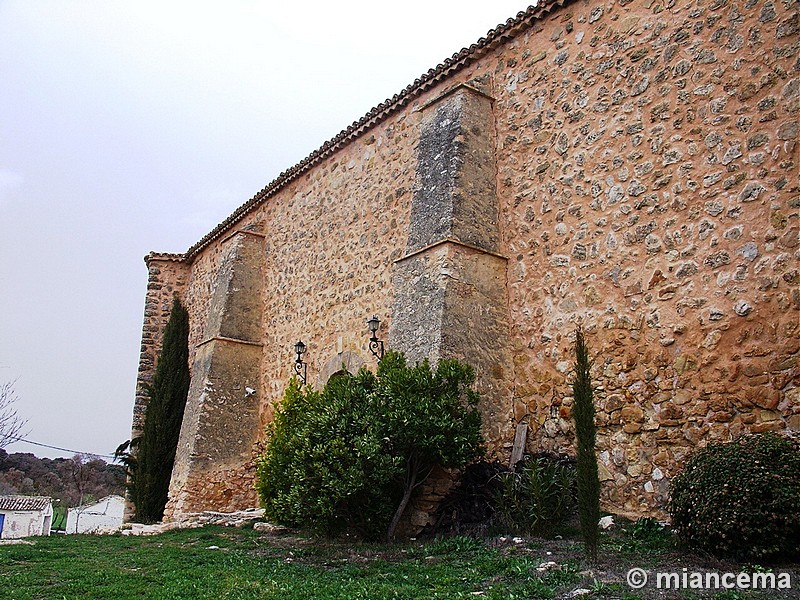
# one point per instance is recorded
(73, 481)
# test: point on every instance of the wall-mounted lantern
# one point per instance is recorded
(300, 367)
(375, 345)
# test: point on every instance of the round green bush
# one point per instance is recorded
(325, 465)
(348, 458)
(740, 499)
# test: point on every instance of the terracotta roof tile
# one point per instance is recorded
(24, 502)
(503, 32)
(164, 256)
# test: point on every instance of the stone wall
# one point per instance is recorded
(648, 181)
(329, 243)
(629, 165)
(333, 237)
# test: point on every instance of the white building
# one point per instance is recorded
(99, 517)
(24, 516)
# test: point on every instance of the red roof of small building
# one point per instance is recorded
(30, 503)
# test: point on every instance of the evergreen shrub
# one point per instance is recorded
(588, 480)
(538, 495)
(430, 418)
(740, 499)
(156, 447)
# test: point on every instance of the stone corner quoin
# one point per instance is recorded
(628, 165)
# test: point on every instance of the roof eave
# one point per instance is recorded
(458, 61)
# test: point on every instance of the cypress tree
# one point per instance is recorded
(162, 425)
(586, 467)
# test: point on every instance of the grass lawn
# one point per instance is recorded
(220, 562)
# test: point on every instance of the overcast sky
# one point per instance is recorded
(127, 127)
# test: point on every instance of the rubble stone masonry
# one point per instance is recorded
(167, 277)
(630, 165)
(649, 188)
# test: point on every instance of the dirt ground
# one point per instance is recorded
(607, 578)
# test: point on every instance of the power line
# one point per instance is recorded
(19, 439)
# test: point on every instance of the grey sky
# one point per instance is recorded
(127, 127)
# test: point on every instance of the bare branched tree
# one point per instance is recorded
(80, 473)
(11, 424)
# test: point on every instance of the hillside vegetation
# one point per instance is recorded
(69, 480)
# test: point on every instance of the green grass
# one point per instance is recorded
(184, 564)
(221, 563)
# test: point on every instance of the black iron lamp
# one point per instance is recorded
(375, 345)
(300, 367)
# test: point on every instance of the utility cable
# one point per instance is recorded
(19, 439)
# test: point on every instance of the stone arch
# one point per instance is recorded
(343, 361)
(339, 373)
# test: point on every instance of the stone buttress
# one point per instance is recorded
(450, 287)
(221, 424)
